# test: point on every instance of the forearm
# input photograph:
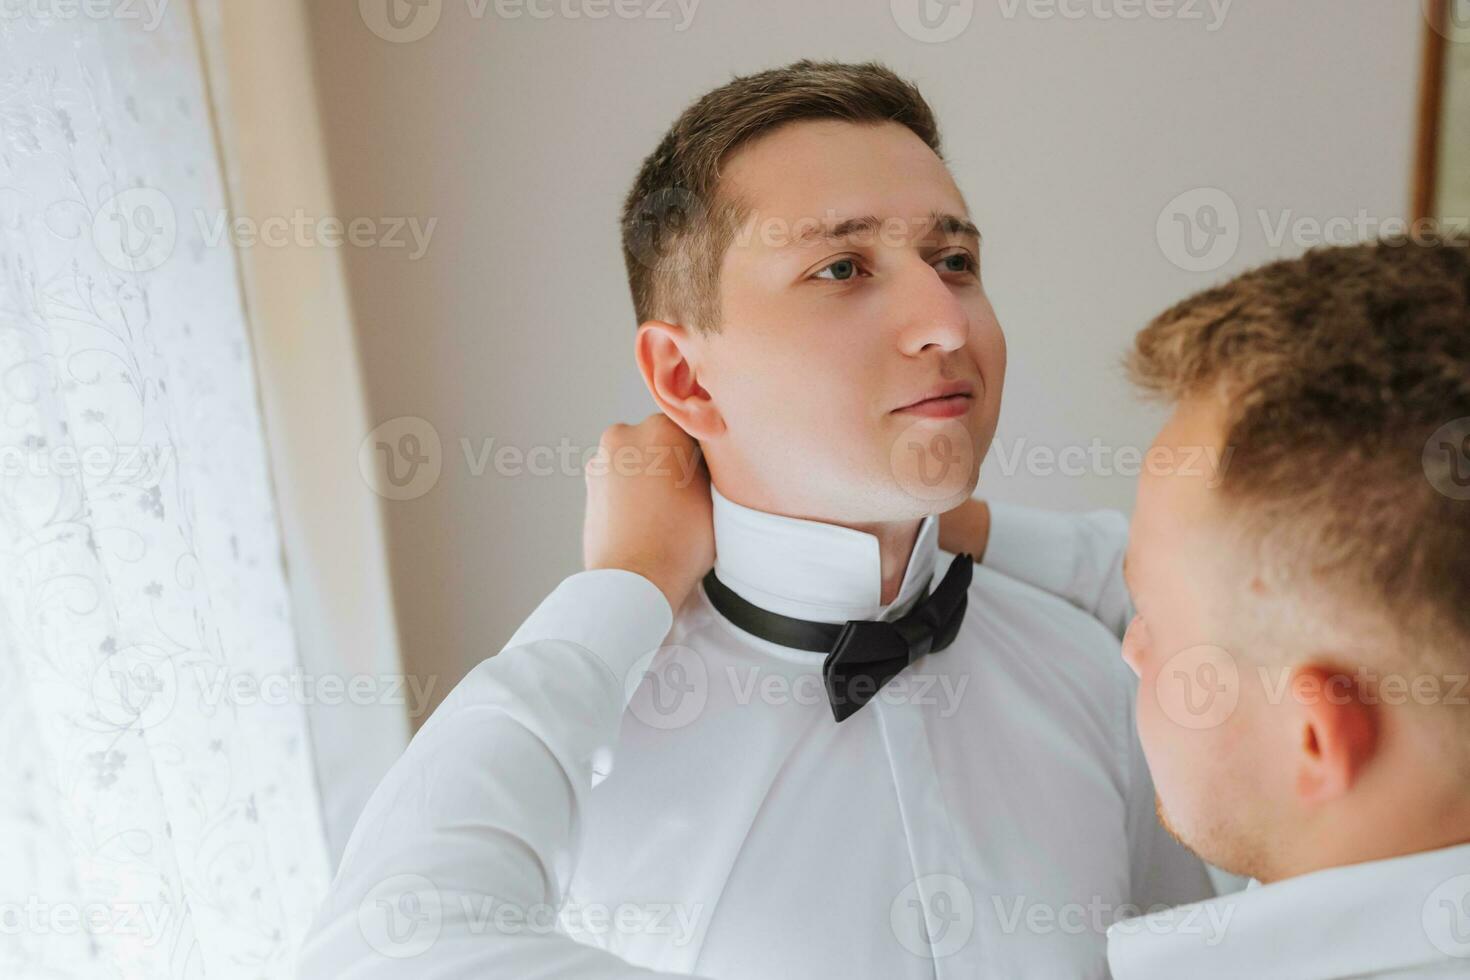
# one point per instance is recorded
(460, 861)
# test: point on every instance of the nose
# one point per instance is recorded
(1135, 640)
(931, 314)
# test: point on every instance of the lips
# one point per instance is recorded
(940, 408)
(952, 397)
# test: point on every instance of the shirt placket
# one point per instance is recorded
(942, 862)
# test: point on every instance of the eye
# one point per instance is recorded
(957, 262)
(842, 270)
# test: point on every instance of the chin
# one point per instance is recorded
(881, 501)
(1215, 843)
(935, 463)
(1166, 823)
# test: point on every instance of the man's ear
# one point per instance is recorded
(668, 359)
(1338, 725)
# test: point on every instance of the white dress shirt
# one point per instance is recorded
(987, 814)
(1076, 556)
(1397, 918)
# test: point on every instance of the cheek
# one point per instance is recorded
(770, 375)
(1180, 760)
(1133, 646)
(988, 341)
(810, 409)
(1196, 689)
(1155, 730)
(1190, 721)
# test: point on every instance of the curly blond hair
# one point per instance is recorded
(1344, 377)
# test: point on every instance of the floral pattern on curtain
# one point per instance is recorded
(158, 816)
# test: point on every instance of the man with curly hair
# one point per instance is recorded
(1299, 619)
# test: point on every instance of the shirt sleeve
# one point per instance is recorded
(459, 863)
(1078, 557)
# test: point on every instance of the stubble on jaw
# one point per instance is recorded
(1210, 847)
(1169, 827)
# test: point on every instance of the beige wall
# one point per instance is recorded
(1068, 136)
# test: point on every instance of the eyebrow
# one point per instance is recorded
(949, 224)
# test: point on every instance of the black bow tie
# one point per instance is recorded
(862, 654)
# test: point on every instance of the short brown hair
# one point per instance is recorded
(1337, 371)
(676, 225)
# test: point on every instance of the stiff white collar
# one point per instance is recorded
(1406, 914)
(811, 569)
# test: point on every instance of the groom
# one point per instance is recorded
(948, 785)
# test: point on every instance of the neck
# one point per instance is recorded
(895, 544)
(1383, 831)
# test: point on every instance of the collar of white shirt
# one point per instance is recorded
(1404, 916)
(813, 570)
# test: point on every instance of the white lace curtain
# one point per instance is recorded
(158, 816)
